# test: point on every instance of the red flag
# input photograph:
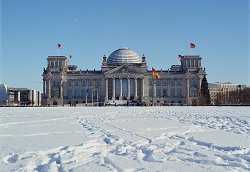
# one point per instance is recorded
(192, 45)
(59, 45)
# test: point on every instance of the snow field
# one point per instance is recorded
(125, 139)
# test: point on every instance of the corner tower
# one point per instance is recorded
(54, 77)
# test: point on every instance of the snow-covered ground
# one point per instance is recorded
(125, 139)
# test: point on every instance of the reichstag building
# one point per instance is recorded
(124, 78)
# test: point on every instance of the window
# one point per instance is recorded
(171, 82)
(91, 83)
(193, 93)
(69, 82)
(117, 87)
(158, 91)
(56, 83)
(77, 93)
(193, 83)
(164, 82)
(179, 92)
(172, 92)
(179, 82)
(70, 92)
(124, 87)
(98, 82)
(192, 63)
(55, 93)
(56, 63)
(164, 91)
(158, 82)
(188, 63)
(52, 64)
(150, 91)
(150, 83)
(84, 82)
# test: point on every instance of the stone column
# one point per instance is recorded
(106, 96)
(187, 87)
(44, 88)
(154, 87)
(18, 97)
(120, 89)
(49, 88)
(135, 88)
(61, 89)
(142, 85)
(113, 97)
(128, 97)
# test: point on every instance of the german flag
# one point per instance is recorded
(156, 74)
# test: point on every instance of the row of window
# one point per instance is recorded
(164, 82)
(84, 82)
(55, 64)
(84, 92)
(179, 82)
(192, 63)
(172, 92)
(56, 83)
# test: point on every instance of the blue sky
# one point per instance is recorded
(88, 29)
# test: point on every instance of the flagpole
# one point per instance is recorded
(57, 51)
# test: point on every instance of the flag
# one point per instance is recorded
(192, 45)
(153, 71)
(156, 74)
(70, 57)
(180, 57)
(59, 45)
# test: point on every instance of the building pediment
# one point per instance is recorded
(124, 69)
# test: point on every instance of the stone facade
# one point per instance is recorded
(124, 78)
